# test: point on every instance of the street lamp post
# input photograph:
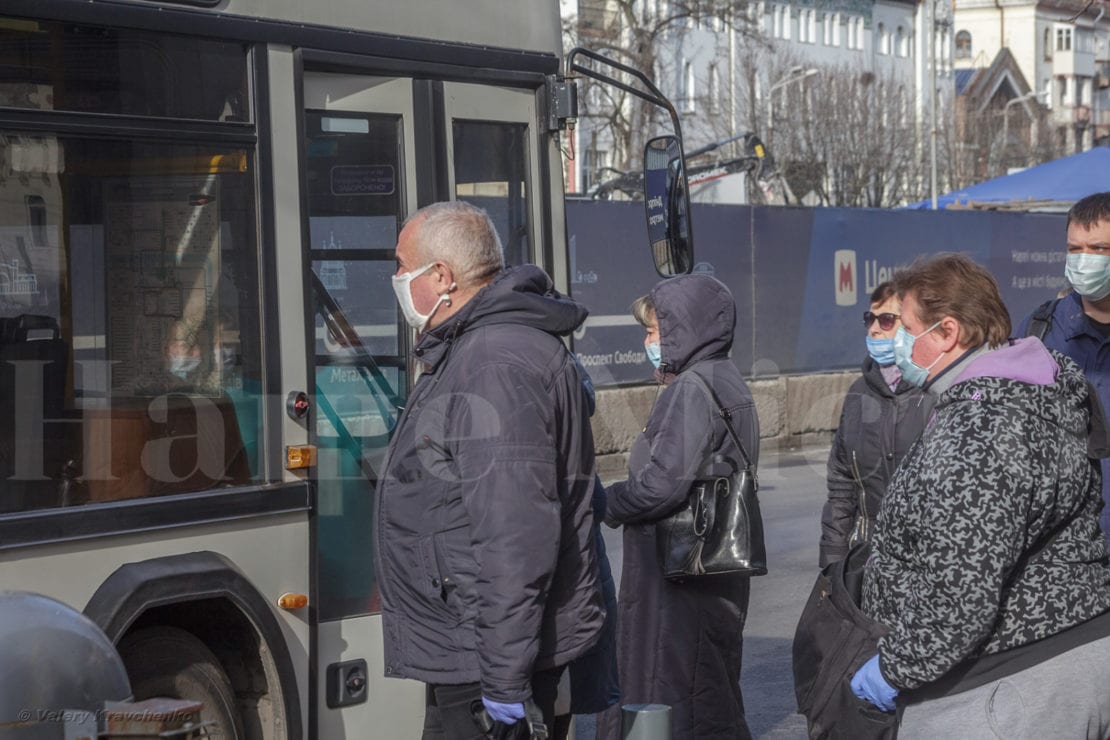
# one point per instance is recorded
(797, 74)
(1006, 120)
(933, 103)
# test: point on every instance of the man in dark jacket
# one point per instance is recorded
(484, 557)
(1079, 323)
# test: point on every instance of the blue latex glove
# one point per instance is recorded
(868, 684)
(506, 714)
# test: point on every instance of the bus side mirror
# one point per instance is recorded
(667, 204)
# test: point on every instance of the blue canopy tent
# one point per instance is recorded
(1053, 185)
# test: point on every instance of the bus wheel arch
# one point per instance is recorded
(204, 595)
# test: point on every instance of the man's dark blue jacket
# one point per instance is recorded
(1071, 333)
(485, 550)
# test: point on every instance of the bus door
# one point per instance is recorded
(376, 148)
(359, 185)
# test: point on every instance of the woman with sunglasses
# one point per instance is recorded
(882, 416)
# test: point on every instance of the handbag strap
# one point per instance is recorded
(726, 415)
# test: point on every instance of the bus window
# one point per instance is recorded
(70, 67)
(130, 345)
(491, 171)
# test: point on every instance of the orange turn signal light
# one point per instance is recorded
(300, 456)
(292, 601)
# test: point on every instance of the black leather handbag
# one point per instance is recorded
(719, 529)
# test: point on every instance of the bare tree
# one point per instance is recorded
(845, 136)
(649, 35)
(982, 144)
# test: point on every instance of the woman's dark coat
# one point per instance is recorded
(877, 428)
(680, 643)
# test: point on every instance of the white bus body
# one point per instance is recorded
(198, 207)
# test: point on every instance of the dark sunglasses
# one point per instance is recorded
(886, 320)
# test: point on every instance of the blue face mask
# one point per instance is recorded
(654, 353)
(881, 350)
(184, 365)
(1089, 274)
(912, 373)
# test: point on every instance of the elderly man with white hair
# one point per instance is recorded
(484, 553)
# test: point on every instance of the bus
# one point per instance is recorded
(200, 349)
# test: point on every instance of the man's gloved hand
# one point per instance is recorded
(506, 714)
(868, 684)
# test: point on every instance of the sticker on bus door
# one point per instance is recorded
(374, 179)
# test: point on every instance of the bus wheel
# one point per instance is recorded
(170, 662)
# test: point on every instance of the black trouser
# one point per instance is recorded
(447, 707)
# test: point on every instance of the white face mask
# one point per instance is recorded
(1089, 274)
(402, 286)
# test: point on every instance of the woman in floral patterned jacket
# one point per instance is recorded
(988, 562)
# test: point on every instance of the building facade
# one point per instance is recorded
(782, 70)
(1063, 50)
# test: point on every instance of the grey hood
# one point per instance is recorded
(696, 316)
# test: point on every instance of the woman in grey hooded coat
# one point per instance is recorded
(680, 644)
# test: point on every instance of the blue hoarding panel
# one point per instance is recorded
(610, 266)
(801, 277)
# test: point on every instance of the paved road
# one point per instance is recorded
(791, 495)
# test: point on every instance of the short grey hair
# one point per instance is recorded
(643, 310)
(462, 236)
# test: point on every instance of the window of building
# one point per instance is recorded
(834, 29)
(717, 12)
(787, 21)
(813, 26)
(688, 91)
(1063, 38)
(594, 165)
(1048, 44)
(1062, 90)
(884, 40)
(963, 44)
(714, 90)
(857, 37)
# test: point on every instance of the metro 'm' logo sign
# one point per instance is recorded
(844, 273)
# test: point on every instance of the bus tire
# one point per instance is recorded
(173, 663)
